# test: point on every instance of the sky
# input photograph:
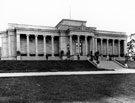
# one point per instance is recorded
(112, 15)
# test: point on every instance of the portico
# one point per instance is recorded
(116, 47)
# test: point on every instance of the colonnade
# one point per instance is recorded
(95, 43)
(113, 45)
(36, 44)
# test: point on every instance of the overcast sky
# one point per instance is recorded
(114, 15)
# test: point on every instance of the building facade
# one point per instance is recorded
(28, 42)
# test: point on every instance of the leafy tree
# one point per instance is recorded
(131, 44)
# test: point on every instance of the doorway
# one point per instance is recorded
(80, 48)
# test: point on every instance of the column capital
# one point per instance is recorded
(86, 36)
(113, 39)
(52, 36)
(27, 34)
(36, 35)
(120, 39)
(95, 37)
(70, 36)
(44, 35)
(78, 35)
(18, 34)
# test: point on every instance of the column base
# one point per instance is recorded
(18, 58)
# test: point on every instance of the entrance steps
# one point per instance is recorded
(110, 65)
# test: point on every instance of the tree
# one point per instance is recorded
(131, 45)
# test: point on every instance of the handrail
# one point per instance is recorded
(119, 63)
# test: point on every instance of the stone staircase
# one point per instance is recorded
(110, 65)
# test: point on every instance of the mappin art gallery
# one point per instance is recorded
(30, 42)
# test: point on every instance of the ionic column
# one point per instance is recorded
(107, 46)
(101, 46)
(18, 42)
(86, 44)
(119, 47)
(112, 46)
(96, 44)
(93, 46)
(78, 44)
(36, 43)
(52, 45)
(125, 46)
(18, 45)
(44, 45)
(71, 44)
(9, 46)
(28, 52)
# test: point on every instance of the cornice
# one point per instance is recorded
(2, 32)
(14, 25)
(110, 32)
(37, 30)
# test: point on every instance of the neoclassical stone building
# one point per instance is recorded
(29, 42)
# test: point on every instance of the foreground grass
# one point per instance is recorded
(65, 88)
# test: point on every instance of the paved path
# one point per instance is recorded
(66, 73)
(110, 65)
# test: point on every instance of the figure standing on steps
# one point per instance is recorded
(97, 58)
(68, 53)
(126, 60)
(46, 56)
(110, 58)
(91, 56)
(78, 57)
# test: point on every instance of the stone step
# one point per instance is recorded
(109, 65)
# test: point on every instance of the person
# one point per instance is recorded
(110, 58)
(126, 60)
(68, 53)
(91, 56)
(98, 63)
(88, 56)
(97, 56)
(107, 57)
(78, 57)
(61, 54)
(46, 56)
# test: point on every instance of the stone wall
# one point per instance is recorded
(4, 48)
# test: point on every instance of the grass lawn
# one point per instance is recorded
(45, 66)
(58, 89)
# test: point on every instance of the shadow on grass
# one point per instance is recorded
(47, 66)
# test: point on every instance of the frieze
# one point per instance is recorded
(81, 33)
(111, 35)
(20, 31)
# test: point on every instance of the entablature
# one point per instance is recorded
(81, 33)
(21, 31)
